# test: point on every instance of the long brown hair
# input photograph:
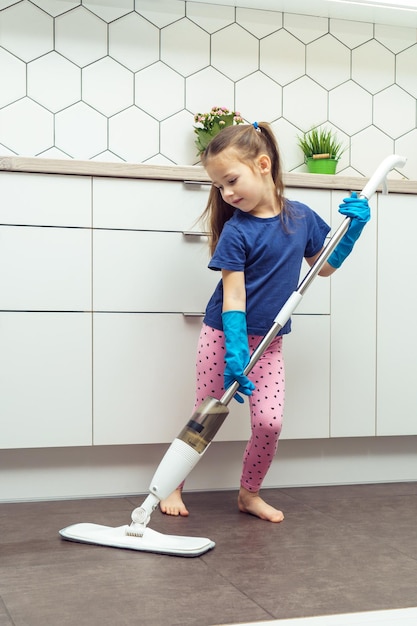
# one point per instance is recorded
(249, 142)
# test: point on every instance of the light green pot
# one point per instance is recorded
(321, 166)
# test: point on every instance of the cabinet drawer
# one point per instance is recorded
(307, 372)
(45, 380)
(148, 204)
(396, 316)
(45, 268)
(141, 271)
(317, 199)
(144, 379)
(45, 200)
(151, 271)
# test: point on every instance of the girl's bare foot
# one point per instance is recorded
(253, 504)
(173, 505)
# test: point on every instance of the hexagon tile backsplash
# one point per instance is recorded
(120, 80)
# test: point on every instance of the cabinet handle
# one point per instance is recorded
(194, 233)
(193, 314)
(198, 182)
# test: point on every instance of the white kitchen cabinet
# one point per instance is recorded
(151, 271)
(45, 269)
(307, 374)
(99, 326)
(317, 298)
(45, 345)
(45, 379)
(396, 321)
(45, 199)
(144, 379)
(353, 334)
(145, 204)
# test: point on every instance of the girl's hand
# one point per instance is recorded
(237, 352)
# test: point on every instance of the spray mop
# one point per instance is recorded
(194, 439)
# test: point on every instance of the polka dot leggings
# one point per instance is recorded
(266, 403)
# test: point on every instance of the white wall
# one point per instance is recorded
(122, 80)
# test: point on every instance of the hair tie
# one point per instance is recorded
(256, 126)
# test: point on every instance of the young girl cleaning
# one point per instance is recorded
(258, 240)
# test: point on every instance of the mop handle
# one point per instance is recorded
(378, 178)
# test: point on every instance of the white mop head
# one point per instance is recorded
(151, 541)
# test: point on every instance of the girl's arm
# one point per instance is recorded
(235, 333)
(234, 292)
(326, 270)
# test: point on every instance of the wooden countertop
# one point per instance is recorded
(192, 173)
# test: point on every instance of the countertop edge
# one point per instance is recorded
(192, 173)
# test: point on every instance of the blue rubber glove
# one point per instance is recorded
(237, 352)
(357, 209)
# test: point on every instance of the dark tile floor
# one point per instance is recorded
(340, 550)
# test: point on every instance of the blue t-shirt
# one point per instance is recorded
(270, 254)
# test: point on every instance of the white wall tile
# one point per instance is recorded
(407, 70)
(55, 7)
(350, 107)
(235, 52)
(53, 81)
(368, 149)
(385, 103)
(26, 31)
(160, 13)
(107, 86)
(109, 10)
(153, 84)
(148, 66)
(209, 20)
(177, 138)
(406, 145)
(13, 73)
(26, 127)
(269, 107)
(305, 27)
(352, 34)
(81, 36)
(80, 131)
(282, 57)
(395, 38)
(295, 111)
(194, 52)
(133, 135)
(328, 61)
(291, 155)
(208, 88)
(134, 42)
(373, 66)
(259, 23)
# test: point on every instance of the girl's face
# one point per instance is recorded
(243, 187)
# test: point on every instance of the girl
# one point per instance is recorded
(258, 240)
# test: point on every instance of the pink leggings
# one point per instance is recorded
(266, 402)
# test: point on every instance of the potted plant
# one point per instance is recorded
(322, 150)
(211, 123)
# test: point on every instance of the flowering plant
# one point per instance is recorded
(209, 124)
